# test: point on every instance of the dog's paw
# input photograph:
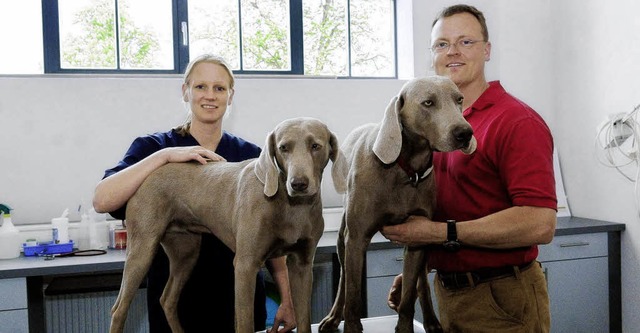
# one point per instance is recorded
(329, 324)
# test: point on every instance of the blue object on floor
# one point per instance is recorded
(272, 308)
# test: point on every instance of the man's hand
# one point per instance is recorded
(414, 231)
(395, 293)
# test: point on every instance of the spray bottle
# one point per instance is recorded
(9, 235)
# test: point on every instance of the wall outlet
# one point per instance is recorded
(621, 130)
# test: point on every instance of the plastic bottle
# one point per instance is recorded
(9, 236)
(98, 231)
(60, 228)
(112, 234)
(83, 242)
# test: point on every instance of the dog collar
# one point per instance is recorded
(414, 176)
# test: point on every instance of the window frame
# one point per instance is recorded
(51, 41)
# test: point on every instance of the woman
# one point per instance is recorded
(208, 91)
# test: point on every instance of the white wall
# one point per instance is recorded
(595, 63)
(574, 61)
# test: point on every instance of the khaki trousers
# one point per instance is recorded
(516, 304)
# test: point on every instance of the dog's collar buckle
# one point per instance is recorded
(414, 176)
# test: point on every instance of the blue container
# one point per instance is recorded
(47, 248)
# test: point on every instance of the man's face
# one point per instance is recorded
(462, 52)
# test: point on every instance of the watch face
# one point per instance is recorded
(451, 246)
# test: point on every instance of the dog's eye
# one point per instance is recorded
(283, 148)
(460, 100)
(316, 146)
(428, 103)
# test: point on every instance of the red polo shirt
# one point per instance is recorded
(512, 166)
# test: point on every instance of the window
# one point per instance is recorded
(345, 38)
(21, 32)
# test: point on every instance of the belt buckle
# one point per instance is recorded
(456, 281)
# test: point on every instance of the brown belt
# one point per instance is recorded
(455, 281)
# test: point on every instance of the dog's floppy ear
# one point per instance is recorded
(340, 169)
(389, 140)
(266, 168)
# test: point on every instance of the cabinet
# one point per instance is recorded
(13, 306)
(576, 268)
(382, 267)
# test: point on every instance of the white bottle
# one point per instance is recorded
(9, 236)
(60, 226)
(83, 242)
(98, 231)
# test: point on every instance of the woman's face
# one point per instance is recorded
(208, 92)
(463, 65)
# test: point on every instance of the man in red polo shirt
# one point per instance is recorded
(498, 204)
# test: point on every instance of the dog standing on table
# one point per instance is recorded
(260, 208)
(389, 179)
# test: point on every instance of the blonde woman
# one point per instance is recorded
(208, 90)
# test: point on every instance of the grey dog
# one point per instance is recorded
(389, 179)
(260, 208)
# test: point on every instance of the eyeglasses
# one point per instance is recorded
(441, 47)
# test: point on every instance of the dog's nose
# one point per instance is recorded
(462, 134)
(300, 184)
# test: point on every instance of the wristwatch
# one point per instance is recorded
(451, 244)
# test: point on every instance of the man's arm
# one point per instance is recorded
(513, 227)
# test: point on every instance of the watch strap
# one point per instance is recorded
(452, 232)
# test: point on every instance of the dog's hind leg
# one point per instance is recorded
(182, 250)
(332, 320)
(140, 253)
(413, 267)
(431, 323)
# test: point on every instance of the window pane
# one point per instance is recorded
(325, 37)
(213, 28)
(87, 34)
(265, 35)
(146, 34)
(372, 40)
(21, 31)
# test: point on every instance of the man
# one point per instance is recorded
(500, 201)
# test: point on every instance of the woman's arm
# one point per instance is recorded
(114, 191)
(286, 314)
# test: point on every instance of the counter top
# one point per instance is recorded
(114, 259)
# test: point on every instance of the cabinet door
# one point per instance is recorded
(579, 295)
(14, 321)
(14, 294)
(13, 306)
(382, 268)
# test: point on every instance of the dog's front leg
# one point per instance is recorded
(300, 266)
(356, 247)
(331, 321)
(246, 269)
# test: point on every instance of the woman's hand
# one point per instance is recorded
(395, 293)
(285, 316)
(193, 153)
